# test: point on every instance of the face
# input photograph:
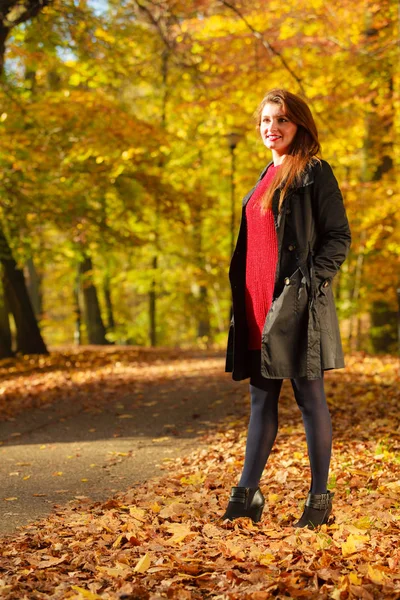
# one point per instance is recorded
(277, 132)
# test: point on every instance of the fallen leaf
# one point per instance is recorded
(137, 513)
(143, 564)
(180, 531)
(173, 509)
(195, 479)
(353, 544)
(155, 507)
(267, 558)
(354, 579)
(85, 593)
(274, 498)
(120, 570)
(212, 531)
(118, 541)
(51, 562)
(376, 575)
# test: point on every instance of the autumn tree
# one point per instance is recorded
(119, 140)
(16, 297)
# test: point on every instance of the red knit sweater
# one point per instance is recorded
(261, 259)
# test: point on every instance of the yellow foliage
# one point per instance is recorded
(376, 575)
(85, 593)
(195, 479)
(137, 513)
(267, 558)
(354, 578)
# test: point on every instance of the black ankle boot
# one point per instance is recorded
(245, 502)
(317, 509)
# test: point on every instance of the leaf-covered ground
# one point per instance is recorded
(164, 539)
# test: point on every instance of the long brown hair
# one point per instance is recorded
(304, 148)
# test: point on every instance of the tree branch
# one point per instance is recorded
(156, 24)
(14, 12)
(269, 47)
(273, 52)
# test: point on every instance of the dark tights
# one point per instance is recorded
(263, 427)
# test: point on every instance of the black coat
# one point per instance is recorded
(301, 335)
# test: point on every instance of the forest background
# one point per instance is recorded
(128, 141)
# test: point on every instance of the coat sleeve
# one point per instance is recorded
(332, 227)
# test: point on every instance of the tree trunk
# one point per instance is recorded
(29, 339)
(197, 217)
(109, 305)
(3, 36)
(215, 293)
(203, 328)
(203, 304)
(77, 311)
(153, 289)
(96, 331)
(355, 294)
(383, 332)
(24, 12)
(5, 331)
(35, 288)
(152, 306)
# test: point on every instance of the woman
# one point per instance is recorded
(294, 236)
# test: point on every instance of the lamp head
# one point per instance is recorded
(233, 138)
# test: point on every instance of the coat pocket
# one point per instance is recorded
(286, 308)
(284, 336)
(326, 310)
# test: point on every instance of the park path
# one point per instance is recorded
(105, 421)
(78, 448)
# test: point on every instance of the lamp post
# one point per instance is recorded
(233, 139)
(398, 318)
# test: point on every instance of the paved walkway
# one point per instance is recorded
(52, 455)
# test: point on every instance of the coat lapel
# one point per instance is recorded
(251, 192)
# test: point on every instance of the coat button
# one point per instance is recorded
(288, 211)
(291, 247)
(287, 280)
(326, 283)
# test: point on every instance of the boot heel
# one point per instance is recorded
(256, 514)
(316, 512)
(245, 502)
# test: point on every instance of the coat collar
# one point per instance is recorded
(307, 177)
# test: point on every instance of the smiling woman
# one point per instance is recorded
(293, 140)
(294, 235)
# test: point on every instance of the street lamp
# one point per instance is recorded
(233, 138)
(398, 318)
